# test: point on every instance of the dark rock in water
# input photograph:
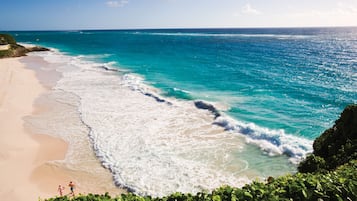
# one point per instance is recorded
(155, 97)
(207, 106)
(108, 69)
(158, 99)
(336, 146)
(37, 49)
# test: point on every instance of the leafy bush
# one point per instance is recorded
(340, 184)
(312, 164)
(336, 146)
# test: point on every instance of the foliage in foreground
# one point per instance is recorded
(336, 146)
(340, 184)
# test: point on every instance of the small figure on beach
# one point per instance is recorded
(60, 189)
(71, 187)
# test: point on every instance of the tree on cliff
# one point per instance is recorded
(336, 146)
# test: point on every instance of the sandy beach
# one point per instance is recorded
(20, 152)
(31, 163)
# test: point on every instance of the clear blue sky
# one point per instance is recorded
(123, 14)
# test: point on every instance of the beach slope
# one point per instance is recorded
(21, 152)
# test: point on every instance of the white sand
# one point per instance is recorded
(21, 153)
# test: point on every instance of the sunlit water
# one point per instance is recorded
(187, 110)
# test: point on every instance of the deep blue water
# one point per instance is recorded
(295, 80)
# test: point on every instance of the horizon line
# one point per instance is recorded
(182, 28)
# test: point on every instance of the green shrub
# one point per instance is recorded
(312, 164)
(7, 39)
(340, 184)
(336, 146)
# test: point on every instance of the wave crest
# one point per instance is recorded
(273, 142)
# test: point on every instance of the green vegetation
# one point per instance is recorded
(328, 174)
(7, 39)
(340, 184)
(15, 49)
(336, 146)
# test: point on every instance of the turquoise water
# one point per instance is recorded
(278, 87)
(298, 80)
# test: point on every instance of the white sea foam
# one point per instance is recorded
(181, 90)
(273, 142)
(157, 146)
(150, 147)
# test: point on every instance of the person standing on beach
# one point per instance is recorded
(60, 189)
(71, 186)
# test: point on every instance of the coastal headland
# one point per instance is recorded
(9, 48)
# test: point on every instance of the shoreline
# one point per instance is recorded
(76, 89)
(22, 151)
(66, 111)
(34, 161)
(88, 96)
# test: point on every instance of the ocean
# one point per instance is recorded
(192, 109)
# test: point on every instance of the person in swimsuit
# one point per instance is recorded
(71, 187)
(60, 189)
